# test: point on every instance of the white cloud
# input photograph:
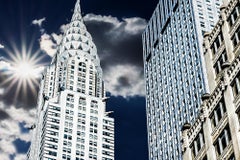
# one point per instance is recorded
(10, 130)
(122, 72)
(39, 22)
(20, 157)
(131, 25)
(4, 156)
(57, 38)
(124, 80)
(63, 28)
(1, 91)
(100, 18)
(1, 46)
(4, 65)
(135, 25)
(8, 68)
(47, 44)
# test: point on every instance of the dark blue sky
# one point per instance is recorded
(16, 17)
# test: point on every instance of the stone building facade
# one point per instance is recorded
(216, 132)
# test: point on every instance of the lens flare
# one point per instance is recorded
(24, 70)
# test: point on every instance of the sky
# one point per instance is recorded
(30, 30)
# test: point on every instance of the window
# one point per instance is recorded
(236, 86)
(236, 37)
(223, 140)
(205, 158)
(232, 157)
(220, 61)
(52, 153)
(238, 116)
(197, 144)
(217, 43)
(234, 15)
(218, 113)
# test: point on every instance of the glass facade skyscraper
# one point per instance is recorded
(72, 122)
(174, 73)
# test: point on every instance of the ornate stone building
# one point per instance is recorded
(216, 132)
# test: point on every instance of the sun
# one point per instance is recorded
(24, 71)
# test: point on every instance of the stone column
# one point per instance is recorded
(186, 151)
(207, 129)
(225, 2)
(226, 36)
(231, 109)
(209, 63)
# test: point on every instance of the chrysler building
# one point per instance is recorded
(72, 122)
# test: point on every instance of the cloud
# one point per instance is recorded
(20, 157)
(1, 46)
(1, 91)
(47, 44)
(118, 41)
(124, 80)
(4, 65)
(120, 49)
(39, 22)
(3, 115)
(11, 131)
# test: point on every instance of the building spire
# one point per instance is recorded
(77, 12)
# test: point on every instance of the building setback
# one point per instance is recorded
(174, 73)
(215, 133)
(72, 122)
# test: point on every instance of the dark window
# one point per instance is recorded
(217, 43)
(236, 37)
(218, 113)
(232, 157)
(223, 140)
(197, 144)
(236, 86)
(219, 62)
(234, 15)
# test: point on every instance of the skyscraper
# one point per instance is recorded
(72, 122)
(174, 73)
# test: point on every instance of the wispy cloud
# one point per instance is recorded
(124, 80)
(11, 130)
(47, 44)
(1, 46)
(122, 63)
(4, 65)
(39, 22)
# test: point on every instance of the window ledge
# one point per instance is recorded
(236, 48)
(220, 126)
(218, 53)
(201, 153)
(236, 100)
(234, 27)
(226, 152)
(218, 76)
